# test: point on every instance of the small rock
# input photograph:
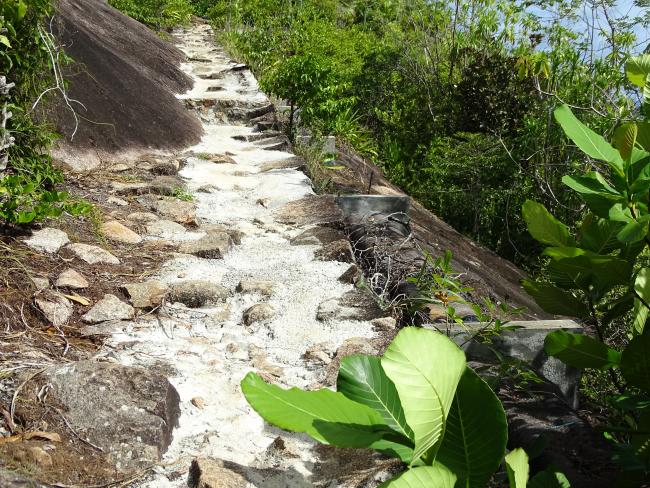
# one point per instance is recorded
(176, 210)
(119, 167)
(92, 254)
(198, 402)
(235, 234)
(219, 158)
(169, 168)
(208, 473)
(264, 288)
(41, 283)
(258, 313)
(165, 229)
(261, 362)
(212, 246)
(56, 308)
(129, 188)
(33, 455)
(207, 189)
(105, 328)
(148, 294)
(142, 217)
(109, 308)
(117, 201)
(384, 324)
(48, 240)
(264, 202)
(120, 233)
(336, 251)
(351, 275)
(71, 279)
(236, 352)
(318, 235)
(350, 347)
(353, 305)
(197, 293)
(167, 185)
(319, 353)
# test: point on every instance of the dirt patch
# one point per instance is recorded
(126, 77)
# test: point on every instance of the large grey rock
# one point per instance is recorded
(129, 412)
(48, 240)
(109, 308)
(165, 229)
(525, 343)
(354, 305)
(70, 278)
(212, 246)
(56, 308)
(318, 235)
(93, 254)
(142, 217)
(120, 233)
(197, 293)
(148, 294)
(167, 185)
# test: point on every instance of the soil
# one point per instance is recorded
(126, 77)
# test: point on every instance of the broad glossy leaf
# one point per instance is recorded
(394, 449)
(363, 380)
(555, 300)
(642, 284)
(634, 231)
(436, 476)
(517, 468)
(477, 432)
(599, 235)
(588, 141)
(635, 362)
(625, 138)
(580, 351)
(643, 135)
(549, 478)
(327, 416)
(426, 367)
(544, 227)
(637, 69)
(589, 184)
(639, 317)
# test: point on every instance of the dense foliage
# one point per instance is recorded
(159, 14)
(600, 273)
(452, 99)
(28, 182)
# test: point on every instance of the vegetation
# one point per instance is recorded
(160, 14)
(600, 273)
(28, 182)
(452, 99)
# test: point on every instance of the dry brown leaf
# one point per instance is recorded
(37, 434)
(78, 298)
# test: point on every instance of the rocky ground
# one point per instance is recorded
(141, 319)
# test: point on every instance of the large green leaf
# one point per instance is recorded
(327, 416)
(394, 449)
(599, 235)
(635, 362)
(555, 300)
(436, 476)
(580, 351)
(625, 138)
(643, 135)
(517, 468)
(477, 432)
(637, 69)
(363, 380)
(426, 367)
(544, 227)
(588, 141)
(639, 317)
(591, 184)
(642, 285)
(634, 231)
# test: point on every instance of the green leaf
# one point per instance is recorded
(5, 40)
(637, 69)
(587, 140)
(643, 135)
(477, 432)
(580, 351)
(639, 317)
(544, 227)
(599, 235)
(590, 184)
(549, 478)
(517, 468)
(642, 285)
(436, 476)
(363, 380)
(554, 300)
(327, 416)
(635, 362)
(394, 449)
(625, 138)
(634, 231)
(426, 367)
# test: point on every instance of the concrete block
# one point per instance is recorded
(526, 344)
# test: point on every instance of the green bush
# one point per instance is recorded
(160, 14)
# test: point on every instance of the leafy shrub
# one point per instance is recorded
(160, 14)
(600, 273)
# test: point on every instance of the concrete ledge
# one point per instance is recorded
(526, 344)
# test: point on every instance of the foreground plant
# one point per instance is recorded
(600, 273)
(420, 402)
